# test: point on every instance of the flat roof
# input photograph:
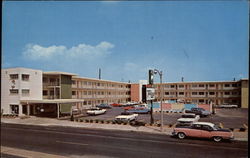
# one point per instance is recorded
(58, 73)
(95, 79)
(53, 101)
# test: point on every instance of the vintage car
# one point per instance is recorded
(188, 118)
(139, 110)
(116, 104)
(104, 106)
(203, 130)
(228, 106)
(126, 118)
(96, 111)
(199, 111)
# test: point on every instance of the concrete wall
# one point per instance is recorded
(34, 85)
(244, 94)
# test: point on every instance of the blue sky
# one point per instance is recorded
(200, 41)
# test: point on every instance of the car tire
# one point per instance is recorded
(181, 135)
(217, 139)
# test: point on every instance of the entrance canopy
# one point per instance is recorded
(52, 101)
(57, 103)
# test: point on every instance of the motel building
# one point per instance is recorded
(27, 91)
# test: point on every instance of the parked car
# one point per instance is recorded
(116, 104)
(188, 118)
(228, 106)
(126, 118)
(104, 106)
(96, 111)
(199, 111)
(203, 130)
(137, 111)
(135, 106)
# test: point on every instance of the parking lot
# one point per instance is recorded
(227, 118)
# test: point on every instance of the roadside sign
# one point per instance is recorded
(150, 93)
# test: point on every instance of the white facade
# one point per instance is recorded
(19, 84)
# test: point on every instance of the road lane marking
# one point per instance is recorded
(136, 140)
(27, 153)
(72, 143)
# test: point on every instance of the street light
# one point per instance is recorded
(161, 91)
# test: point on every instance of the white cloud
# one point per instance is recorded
(37, 52)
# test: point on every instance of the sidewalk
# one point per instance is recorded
(240, 136)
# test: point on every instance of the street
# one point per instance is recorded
(83, 142)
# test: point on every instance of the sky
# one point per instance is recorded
(197, 40)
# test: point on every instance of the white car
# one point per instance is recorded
(96, 111)
(126, 118)
(228, 106)
(188, 118)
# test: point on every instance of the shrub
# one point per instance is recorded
(96, 121)
(170, 125)
(242, 129)
(108, 121)
(91, 121)
(81, 120)
(113, 122)
(87, 120)
(102, 121)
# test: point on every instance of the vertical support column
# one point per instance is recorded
(20, 112)
(28, 109)
(58, 110)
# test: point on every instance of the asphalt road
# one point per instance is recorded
(77, 142)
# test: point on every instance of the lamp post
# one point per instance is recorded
(161, 98)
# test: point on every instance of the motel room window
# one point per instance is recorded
(13, 91)
(211, 93)
(25, 77)
(211, 85)
(227, 85)
(194, 85)
(73, 92)
(227, 93)
(201, 85)
(181, 93)
(166, 93)
(45, 79)
(73, 82)
(13, 76)
(181, 86)
(234, 85)
(234, 93)
(194, 93)
(172, 86)
(201, 93)
(45, 93)
(25, 91)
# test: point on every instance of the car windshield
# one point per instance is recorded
(216, 127)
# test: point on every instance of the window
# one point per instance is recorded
(201, 100)
(227, 85)
(196, 126)
(181, 93)
(25, 91)
(89, 93)
(52, 80)
(166, 93)
(45, 93)
(73, 92)
(234, 93)
(211, 85)
(194, 93)
(172, 86)
(13, 91)
(194, 85)
(166, 86)
(45, 80)
(234, 85)
(227, 93)
(201, 93)
(98, 84)
(73, 82)
(201, 85)
(211, 93)
(25, 77)
(181, 86)
(13, 76)
(207, 128)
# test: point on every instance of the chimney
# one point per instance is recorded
(99, 73)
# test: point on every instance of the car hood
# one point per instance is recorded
(223, 130)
